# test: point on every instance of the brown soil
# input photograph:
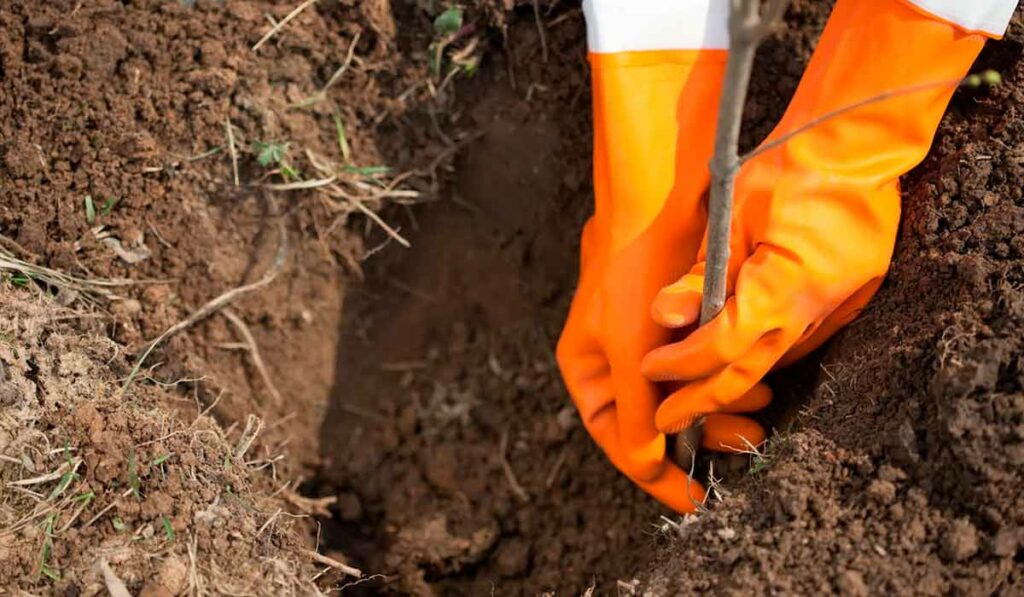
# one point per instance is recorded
(429, 411)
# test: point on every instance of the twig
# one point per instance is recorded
(747, 29)
(253, 426)
(270, 520)
(555, 469)
(115, 587)
(254, 352)
(540, 32)
(517, 489)
(231, 149)
(282, 23)
(326, 561)
(310, 506)
(344, 66)
(217, 303)
(909, 90)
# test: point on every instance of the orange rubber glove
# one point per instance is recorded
(653, 111)
(815, 219)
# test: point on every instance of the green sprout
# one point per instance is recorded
(90, 210)
(448, 22)
(268, 154)
(168, 529)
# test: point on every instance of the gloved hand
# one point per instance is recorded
(652, 144)
(815, 219)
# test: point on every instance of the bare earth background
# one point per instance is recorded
(409, 417)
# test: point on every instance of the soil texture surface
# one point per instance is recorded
(399, 193)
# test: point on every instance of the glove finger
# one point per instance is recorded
(707, 349)
(637, 401)
(765, 289)
(726, 390)
(672, 487)
(731, 433)
(678, 305)
(585, 369)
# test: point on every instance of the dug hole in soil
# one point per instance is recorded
(398, 409)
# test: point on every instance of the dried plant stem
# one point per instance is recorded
(217, 303)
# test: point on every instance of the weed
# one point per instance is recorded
(19, 279)
(160, 459)
(108, 205)
(47, 550)
(448, 22)
(343, 146)
(119, 524)
(268, 154)
(85, 498)
(168, 530)
(90, 210)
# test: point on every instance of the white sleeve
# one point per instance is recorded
(640, 25)
(990, 17)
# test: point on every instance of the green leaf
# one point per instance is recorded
(168, 530)
(160, 459)
(65, 480)
(20, 280)
(367, 170)
(86, 498)
(119, 524)
(107, 206)
(90, 210)
(49, 572)
(270, 153)
(448, 22)
(289, 173)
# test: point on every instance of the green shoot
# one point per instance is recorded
(339, 126)
(90, 210)
(119, 524)
(448, 22)
(85, 498)
(19, 279)
(367, 170)
(108, 205)
(65, 480)
(168, 530)
(270, 153)
(289, 173)
(160, 459)
(47, 551)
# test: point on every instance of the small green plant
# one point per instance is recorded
(275, 154)
(448, 22)
(449, 28)
(269, 154)
(168, 529)
(85, 498)
(47, 551)
(339, 127)
(119, 524)
(160, 459)
(90, 210)
(108, 205)
(18, 279)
